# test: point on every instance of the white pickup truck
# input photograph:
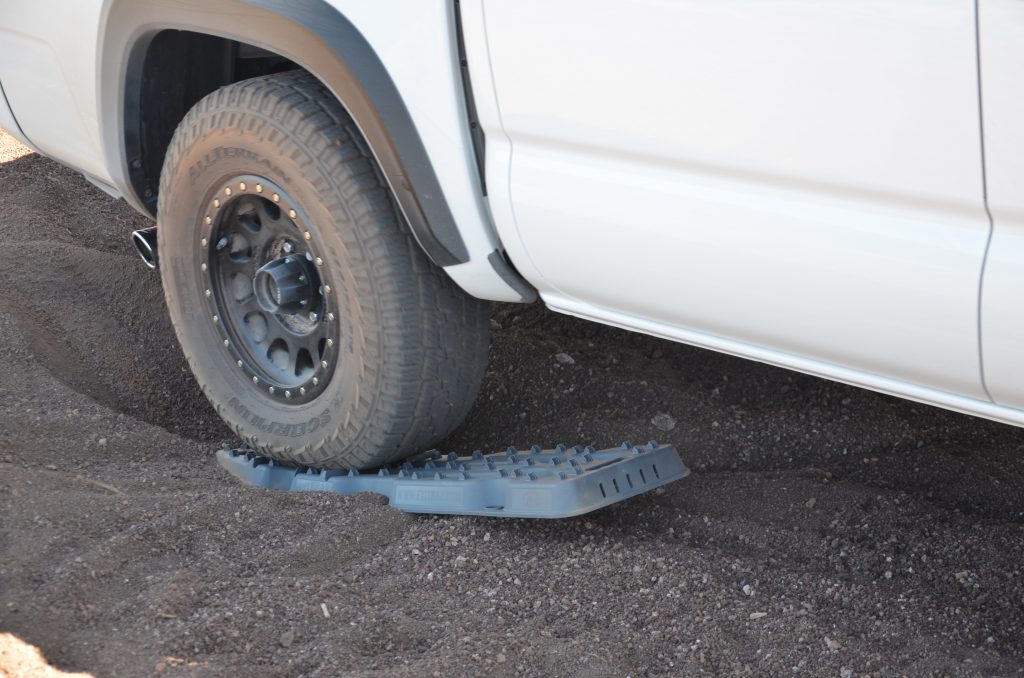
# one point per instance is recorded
(834, 186)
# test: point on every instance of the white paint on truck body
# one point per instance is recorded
(801, 183)
(797, 182)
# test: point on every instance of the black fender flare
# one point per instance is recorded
(319, 38)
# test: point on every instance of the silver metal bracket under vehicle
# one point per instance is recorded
(535, 483)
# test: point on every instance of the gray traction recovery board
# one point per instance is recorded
(535, 483)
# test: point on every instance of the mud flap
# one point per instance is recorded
(535, 483)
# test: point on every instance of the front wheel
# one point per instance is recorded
(311, 318)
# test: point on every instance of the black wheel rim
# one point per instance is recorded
(267, 286)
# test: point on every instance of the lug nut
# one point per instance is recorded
(203, 242)
(313, 316)
(309, 236)
(288, 247)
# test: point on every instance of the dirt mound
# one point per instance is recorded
(98, 323)
(90, 313)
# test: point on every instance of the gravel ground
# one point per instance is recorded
(825, 530)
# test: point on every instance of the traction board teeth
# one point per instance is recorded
(496, 485)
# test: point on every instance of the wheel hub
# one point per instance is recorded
(287, 285)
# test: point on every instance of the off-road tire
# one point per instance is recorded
(416, 343)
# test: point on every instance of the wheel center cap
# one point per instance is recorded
(287, 285)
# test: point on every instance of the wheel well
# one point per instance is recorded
(161, 56)
(178, 69)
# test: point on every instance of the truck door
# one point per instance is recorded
(801, 176)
